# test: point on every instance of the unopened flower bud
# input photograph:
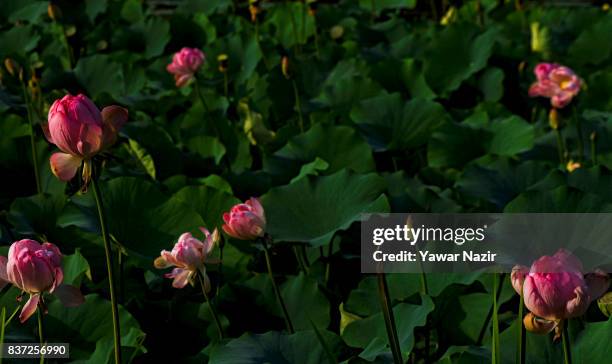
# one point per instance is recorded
(54, 12)
(572, 166)
(605, 304)
(312, 7)
(254, 9)
(223, 61)
(101, 45)
(13, 68)
(593, 136)
(285, 67)
(336, 32)
(553, 119)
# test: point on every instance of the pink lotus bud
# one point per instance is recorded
(185, 64)
(80, 131)
(559, 83)
(555, 287)
(189, 256)
(36, 269)
(245, 221)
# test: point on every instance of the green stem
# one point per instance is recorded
(210, 307)
(225, 84)
(330, 250)
(560, 146)
(487, 320)
(277, 292)
(67, 45)
(109, 269)
(567, 351)
(32, 139)
(495, 354)
(520, 352)
(387, 310)
(298, 105)
(373, 4)
(434, 10)
(299, 259)
(579, 134)
(294, 26)
(316, 36)
(40, 332)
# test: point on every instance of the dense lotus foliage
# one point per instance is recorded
(186, 177)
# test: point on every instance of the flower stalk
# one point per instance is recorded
(387, 311)
(279, 297)
(567, 353)
(109, 269)
(34, 150)
(213, 313)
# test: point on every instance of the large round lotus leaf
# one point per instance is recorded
(314, 208)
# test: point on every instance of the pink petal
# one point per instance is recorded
(577, 305)
(90, 139)
(29, 308)
(181, 278)
(518, 277)
(64, 166)
(69, 295)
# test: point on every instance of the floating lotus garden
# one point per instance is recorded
(183, 181)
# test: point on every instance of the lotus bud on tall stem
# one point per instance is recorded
(15, 70)
(55, 14)
(223, 61)
(312, 11)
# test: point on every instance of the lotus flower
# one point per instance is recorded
(245, 221)
(559, 83)
(36, 269)
(189, 256)
(185, 64)
(555, 288)
(80, 131)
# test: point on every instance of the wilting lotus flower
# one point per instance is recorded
(36, 269)
(189, 256)
(80, 131)
(559, 83)
(555, 288)
(185, 64)
(245, 221)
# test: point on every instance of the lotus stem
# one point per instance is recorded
(34, 150)
(277, 292)
(213, 313)
(579, 134)
(567, 351)
(109, 269)
(495, 354)
(520, 352)
(298, 105)
(387, 311)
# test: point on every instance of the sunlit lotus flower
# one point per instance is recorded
(80, 131)
(189, 256)
(245, 221)
(185, 64)
(36, 269)
(559, 83)
(555, 288)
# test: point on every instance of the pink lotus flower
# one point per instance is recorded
(559, 83)
(189, 256)
(245, 221)
(185, 64)
(555, 288)
(36, 269)
(80, 131)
